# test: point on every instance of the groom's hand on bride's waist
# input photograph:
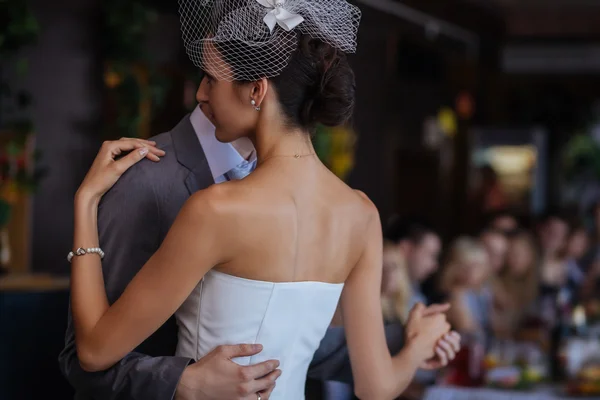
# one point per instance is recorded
(216, 376)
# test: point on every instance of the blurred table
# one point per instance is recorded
(33, 283)
(33, 320)
(540, 393)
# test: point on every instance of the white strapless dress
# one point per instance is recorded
(289, 319)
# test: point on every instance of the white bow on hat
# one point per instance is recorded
(279, 15)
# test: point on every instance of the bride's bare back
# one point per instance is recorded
(292, 220)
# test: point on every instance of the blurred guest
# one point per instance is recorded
(396, 290)
(595, 217)
(591, 283)
(578, 244)
(496, 244)
(591, 262)
(419, 247)
(553, 232)
(462, 280)
(502, 221)
(516, 286)
(554, 299)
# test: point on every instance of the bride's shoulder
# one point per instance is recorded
(368, 213)
(224, 199)
(365, 202)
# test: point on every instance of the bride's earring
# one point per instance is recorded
(253, 102)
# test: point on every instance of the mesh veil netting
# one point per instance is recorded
(233, 37)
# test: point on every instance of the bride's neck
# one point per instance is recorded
(279, 140)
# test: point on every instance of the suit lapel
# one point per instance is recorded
(190, 154)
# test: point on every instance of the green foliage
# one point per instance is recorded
(5, 211)
(124, 30)
(18, 26)
(322, 143)
(582, 157)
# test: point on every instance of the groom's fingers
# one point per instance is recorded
(266, 395)
(240, 350)
(264, 385)
(258, 371)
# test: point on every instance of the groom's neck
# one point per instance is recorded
(245, 147)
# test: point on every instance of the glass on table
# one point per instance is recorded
(467, 369)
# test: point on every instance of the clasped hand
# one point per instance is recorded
(428, 328)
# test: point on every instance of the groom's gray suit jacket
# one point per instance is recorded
(133, 219)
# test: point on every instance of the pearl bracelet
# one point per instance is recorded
(81, 251)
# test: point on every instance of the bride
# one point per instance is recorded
(265, 259)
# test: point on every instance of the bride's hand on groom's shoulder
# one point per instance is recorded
(215, 376)
(114, 158)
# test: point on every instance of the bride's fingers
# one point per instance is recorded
(454, 339)
(130, 159)
(436, 309)
(415, 313)
(153, 157)
(441, 355)
(447, 347)
(116, 148)
(145, 141)
(154, 152)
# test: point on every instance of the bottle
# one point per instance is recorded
(559, 337)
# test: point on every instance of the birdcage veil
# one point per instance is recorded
(253, 39)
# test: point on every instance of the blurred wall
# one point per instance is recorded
(65, 112)
(372, 172)
(64, 80)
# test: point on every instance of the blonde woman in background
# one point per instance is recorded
(462, 280)
(517, 285)
(396, 290)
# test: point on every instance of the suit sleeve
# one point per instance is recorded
(129, 232)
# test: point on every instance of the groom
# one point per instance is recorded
(133, 219)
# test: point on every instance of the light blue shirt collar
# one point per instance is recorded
(221, 157)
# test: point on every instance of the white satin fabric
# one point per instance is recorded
(289, 319)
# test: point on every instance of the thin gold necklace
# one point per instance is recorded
(297, 155)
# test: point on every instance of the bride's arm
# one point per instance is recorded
(378, 375)
(103, 333)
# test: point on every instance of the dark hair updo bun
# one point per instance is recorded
(317, 86)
